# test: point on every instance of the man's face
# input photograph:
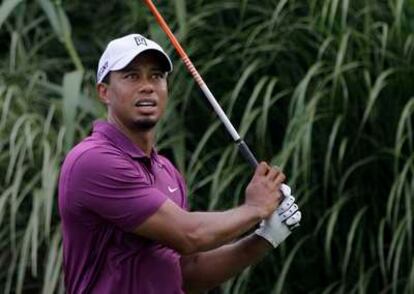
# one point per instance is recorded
(136, 95)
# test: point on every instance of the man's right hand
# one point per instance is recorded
(263, 191)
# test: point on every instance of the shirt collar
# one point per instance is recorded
(113, 134)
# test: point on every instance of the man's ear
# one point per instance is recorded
(102, 90)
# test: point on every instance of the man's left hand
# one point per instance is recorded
(279, 225)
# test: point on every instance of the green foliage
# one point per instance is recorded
(321, 88)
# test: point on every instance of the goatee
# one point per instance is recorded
(145, 124)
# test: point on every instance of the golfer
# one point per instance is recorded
(126, 223)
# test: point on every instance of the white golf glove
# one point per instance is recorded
(279, 225)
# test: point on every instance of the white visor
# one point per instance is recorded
(120, 52)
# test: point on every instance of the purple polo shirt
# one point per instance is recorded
(107, 188)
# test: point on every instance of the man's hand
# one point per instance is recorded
(279, 225)
(264, 190)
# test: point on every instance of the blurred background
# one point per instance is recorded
(322, 88)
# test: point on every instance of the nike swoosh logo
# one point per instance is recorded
(172, 190)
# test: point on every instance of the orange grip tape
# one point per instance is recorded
(165, 28)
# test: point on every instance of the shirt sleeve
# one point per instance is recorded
(114, 188)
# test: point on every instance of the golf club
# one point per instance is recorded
(243, 148)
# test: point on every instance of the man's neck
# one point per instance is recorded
(144, 139)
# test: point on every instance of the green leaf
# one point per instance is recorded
(7, 8)
(71, 96)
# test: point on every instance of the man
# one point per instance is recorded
(126, 224)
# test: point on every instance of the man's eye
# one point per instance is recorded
(158, 75)
(131, 76)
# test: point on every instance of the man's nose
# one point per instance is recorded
(146, 86)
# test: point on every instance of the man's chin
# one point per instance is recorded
(145, 124)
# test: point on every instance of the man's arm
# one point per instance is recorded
(191, 232)
(206, 270)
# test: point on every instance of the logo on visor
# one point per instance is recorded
(102, 70)
(140, 41)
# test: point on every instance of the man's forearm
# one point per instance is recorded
(214, 229)
(208, 269)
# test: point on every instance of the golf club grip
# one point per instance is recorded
(247, 153)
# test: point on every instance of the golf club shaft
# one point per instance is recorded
(243, 148)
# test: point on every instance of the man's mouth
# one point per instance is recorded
(146, 103)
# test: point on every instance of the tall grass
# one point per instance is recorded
(321, 88)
